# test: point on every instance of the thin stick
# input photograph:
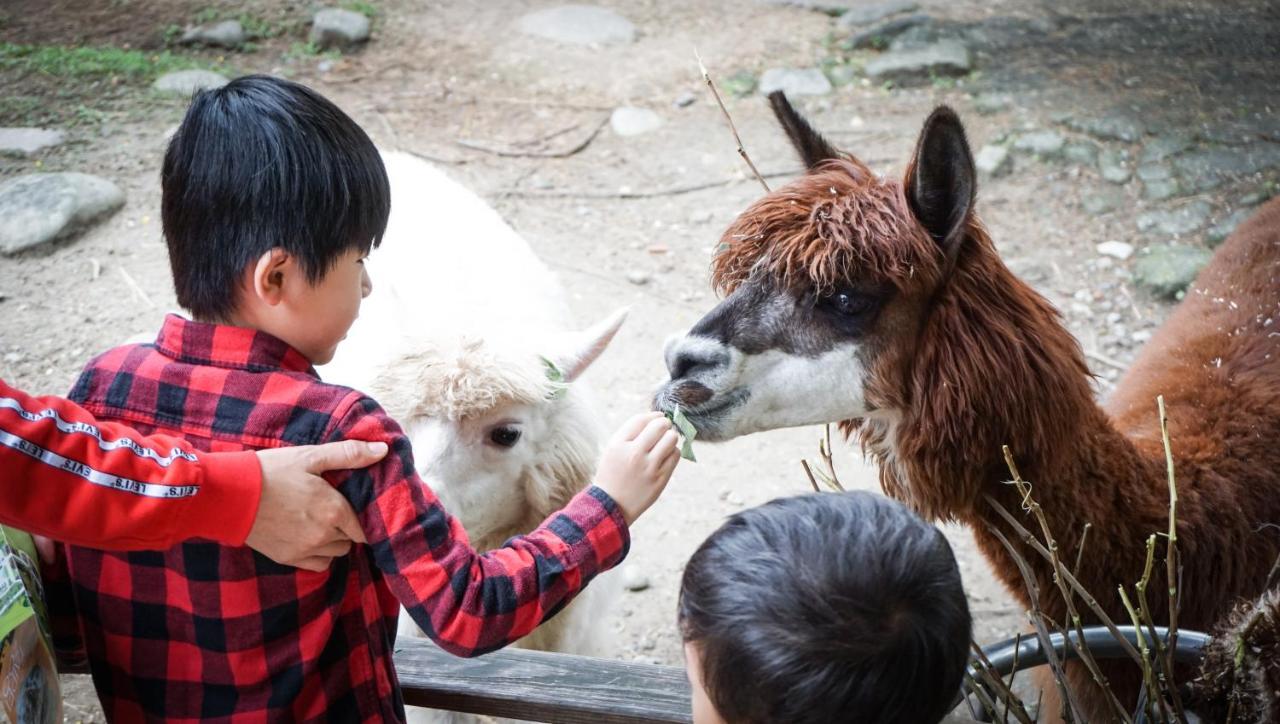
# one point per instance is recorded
(1037, 618)
(1004, 692)
(1165, 676)
(824, 448)
(812, 481)
(706, 77)
(134, 286)
(1148, 677)
(1099, 357)
(1084, 537)
(1059, 578)
(1075, 584)
(1171, 558)
(514, 153)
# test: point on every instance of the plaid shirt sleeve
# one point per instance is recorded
(470, 603)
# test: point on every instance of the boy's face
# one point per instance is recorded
(703, 711)
(324, 312)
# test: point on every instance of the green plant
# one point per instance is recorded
(207, 15)
(367, 9)
(308, 50)
(91, 62)
(170, 34)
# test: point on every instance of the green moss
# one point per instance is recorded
(91, 63)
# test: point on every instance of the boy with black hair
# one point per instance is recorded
(271, 199)
(824, 608)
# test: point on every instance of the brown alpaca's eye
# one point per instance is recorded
(849, 303)
(504, 436)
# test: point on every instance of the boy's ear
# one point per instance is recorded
(268, 275)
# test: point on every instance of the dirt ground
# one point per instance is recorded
(620, 210)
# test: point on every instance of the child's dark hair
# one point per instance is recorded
(262, 163)
(833, 607)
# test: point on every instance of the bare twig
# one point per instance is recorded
(706, 77)
(828, 459)
(1171, 558)
(1165, 676)
(137, 290)
(812, 481)
(1099, 357)
(1026, 536)
(1148, 677)
(518, 153)
(1003, 692)
(1059, 578)
(640, 194)
(1036, 617)
(1084, 537)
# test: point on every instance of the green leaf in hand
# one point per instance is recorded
(687, 433)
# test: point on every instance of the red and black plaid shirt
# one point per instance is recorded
(205, 631)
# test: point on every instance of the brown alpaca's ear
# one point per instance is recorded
(940, 183)
(813, 148)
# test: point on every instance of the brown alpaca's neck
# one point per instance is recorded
(996, 367)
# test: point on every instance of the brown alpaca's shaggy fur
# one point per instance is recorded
(972, 359)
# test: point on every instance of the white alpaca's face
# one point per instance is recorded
(481, 467)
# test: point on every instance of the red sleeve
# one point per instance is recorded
(67, 476)
(467, 602)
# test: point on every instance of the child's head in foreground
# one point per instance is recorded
(824, 608)
(272, 197)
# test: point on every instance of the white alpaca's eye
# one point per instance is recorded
(504, 436)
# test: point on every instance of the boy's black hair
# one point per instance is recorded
(832, 607)
(261, 163)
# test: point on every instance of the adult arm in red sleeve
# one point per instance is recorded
(68, 476)
(467, 602)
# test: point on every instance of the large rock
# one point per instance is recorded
(865, 14)
(1162, 147)
(24, 142)
(1168, 269)
(1114, 167)
(1210, 168)
(226, 34)
(42, 208)
(187, 82)
(632, 121)
(1176, 222)
(795, 82)
(338, 28)
(578, 25)
(943, 58)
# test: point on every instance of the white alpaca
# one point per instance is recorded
(458, 341)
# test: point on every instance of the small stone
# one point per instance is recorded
(1112, 126)
(338, 28)
(1162, 147)
(1161, 189)
(1168, 269)
(1142, 336)
(579, 25)
(873, 12)
(1253, 198)
(989, 103)
(1115, 249)
(795, 82)
(632, 121)
(943, 58)
(41, 208)
(1102, 202)
(1044, 144)
(633, 579)
(1219, 232)
(226, 34)
(1154, 172)
(685, 99)
(639, 278)
(24, 142)
(1081, 152)
(13, 358)
(324, 66)
(992, 161)
(187, 82)
(829, 7)
(880, 36)
(1113, 166)
(1176, 222)
(842, 75)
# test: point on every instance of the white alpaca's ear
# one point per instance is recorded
(575, 352)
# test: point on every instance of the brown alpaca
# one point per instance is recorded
(884, 305)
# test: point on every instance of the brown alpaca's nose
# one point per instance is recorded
(689, 356)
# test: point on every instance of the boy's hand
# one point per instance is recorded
(302, 521)
(637, 463)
